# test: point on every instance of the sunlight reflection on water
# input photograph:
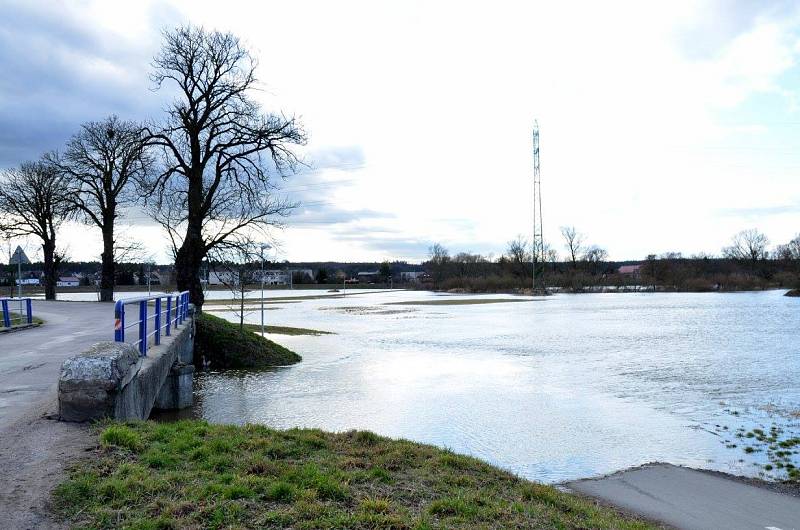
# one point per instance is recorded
(555, 389)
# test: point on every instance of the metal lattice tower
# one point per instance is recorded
(537, 243)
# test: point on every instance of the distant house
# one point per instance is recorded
(275, 277)
(222, 278)
(411, 276)
(368, 276)
(68, 281)
(630, 270)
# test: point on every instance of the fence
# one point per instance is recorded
(23, 316)
(164, 319)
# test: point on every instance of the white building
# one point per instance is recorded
(276, 277)
(68, 281)
(411, 276)
(222, 277)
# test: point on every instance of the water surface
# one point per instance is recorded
(553, 389)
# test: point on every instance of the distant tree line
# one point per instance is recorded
(747, 263)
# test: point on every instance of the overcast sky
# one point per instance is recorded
(664, 126)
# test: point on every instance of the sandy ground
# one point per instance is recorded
(692, 499)
(34, 452)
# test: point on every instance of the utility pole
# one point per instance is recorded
(537, 244)
(264, 246)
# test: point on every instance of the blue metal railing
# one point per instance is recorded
(177, 309)
(8, 320)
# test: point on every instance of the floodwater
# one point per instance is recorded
(553, 389)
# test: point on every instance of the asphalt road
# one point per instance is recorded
(685, 498)
(30, 359)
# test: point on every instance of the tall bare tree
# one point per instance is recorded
(748, 245)
(220, 151)
(103, 163)
(574, 243)
(33, 202)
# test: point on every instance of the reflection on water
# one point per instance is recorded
(555, 389)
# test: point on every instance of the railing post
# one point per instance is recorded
(29, 307)
(143, 328)
(119, 321)
(169, 315)
(157, 321)
(6, 315)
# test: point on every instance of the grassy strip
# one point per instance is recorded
(190, 474)
(226, 346)
(287, 330)
(18, 319)
(461, 301)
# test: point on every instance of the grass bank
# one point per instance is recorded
(226, 346)
(793, 292)
(287, 330)
(191, 474)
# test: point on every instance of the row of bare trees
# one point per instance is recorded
(206, 172)
(746, 263)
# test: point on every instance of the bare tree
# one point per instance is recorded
(33, 202)
(234, 267)
(748, 245)
(789, 251)
(518, 256)
(595, 256)
(438, 259)
(220, 152)
(574, 243)
(103, 163)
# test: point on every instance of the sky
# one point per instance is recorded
(664, 126)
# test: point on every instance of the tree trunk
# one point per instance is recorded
(107, 270)
(187, 266)
(49, 249)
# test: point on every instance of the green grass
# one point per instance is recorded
(190, 474)
(18, 319)
(228, 347)
(286, 330)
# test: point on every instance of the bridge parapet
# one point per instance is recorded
(113, 379)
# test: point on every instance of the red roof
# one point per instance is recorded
(629, 269)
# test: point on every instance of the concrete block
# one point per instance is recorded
(90, 382)
(177, 391)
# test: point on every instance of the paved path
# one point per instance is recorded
(691, 499)
(30, 359)
(33, 449)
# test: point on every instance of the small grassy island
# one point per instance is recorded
(226, 346)
(190, 474)
(793, 292)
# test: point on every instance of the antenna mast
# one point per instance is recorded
(537, 244)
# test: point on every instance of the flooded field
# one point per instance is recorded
(553, 389)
